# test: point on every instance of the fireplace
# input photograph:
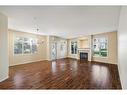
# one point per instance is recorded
(83, 56)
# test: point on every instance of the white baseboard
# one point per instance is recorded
(26, 62)
(2, 79)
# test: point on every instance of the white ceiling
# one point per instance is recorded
(64, 21)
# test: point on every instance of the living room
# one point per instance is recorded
(62, 47)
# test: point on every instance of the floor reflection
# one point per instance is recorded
(54, 67)
(18, 80)
(100, 75)
(74, 68)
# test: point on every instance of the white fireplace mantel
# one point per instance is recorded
(85, 50)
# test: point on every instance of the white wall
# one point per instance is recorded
(48, 48)
(4, 63)
(122, 47)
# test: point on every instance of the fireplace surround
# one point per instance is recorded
(84, 53)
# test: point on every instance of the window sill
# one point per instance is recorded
(100, 57)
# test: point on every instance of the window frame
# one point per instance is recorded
(23, 45)
(97, 37)
(14, 46)
(76, 52)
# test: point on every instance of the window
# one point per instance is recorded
(18, 45)
(25, 45)
(33, 45)
(100, 47)
(74, 47)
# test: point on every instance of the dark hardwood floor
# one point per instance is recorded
(63, 74)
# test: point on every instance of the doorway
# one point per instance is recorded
(54, 51)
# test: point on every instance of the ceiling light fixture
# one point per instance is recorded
(36, 25)
(37, 29)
